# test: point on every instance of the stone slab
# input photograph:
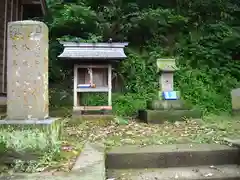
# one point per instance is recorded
(29, 122)
(176, 155)
(46, 125)
(27, 72)
(223, 172)
(234, 142)
(168, 105)
(43, 176)
(160, 116)
(235, 95)
(91, 163)
(95, 117)
(79, 113)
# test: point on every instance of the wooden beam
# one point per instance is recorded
(44, 6)
(17, 12)
(92, 108)
(12, 10)
(75, 79)
(4, 47)
(109, 85)
(25, 2)
(21, 12)
(92, 66)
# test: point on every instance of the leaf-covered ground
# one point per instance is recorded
(210, 130)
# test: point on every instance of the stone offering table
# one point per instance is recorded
(169, 106)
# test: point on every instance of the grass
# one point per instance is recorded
(27, 149)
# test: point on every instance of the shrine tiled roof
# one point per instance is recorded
(93, 50)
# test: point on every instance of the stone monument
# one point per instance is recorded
(27, 70)
(27, 74)
(168, 106)
(235, 96)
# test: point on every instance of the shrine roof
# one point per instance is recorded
(114, 51)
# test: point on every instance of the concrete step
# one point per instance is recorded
(222, 172)
(164, 156)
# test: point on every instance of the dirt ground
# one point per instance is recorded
(212, 129)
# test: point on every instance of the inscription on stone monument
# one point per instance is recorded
(27, 70)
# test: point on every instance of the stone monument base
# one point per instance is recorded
(168, 104)
(160, 116)
(47, 125)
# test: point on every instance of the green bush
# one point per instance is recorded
(128, 104)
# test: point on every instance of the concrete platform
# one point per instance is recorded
(29, 122)
(45, 125)
(80, 113)
(160, 116)
(224, 172)
(90, 164)
(95, 117)
(164, 156)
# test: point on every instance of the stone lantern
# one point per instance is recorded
(168, 106)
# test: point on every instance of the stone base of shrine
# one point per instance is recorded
(168, 105)
(46, 125)
(91, 110)
(160, 116)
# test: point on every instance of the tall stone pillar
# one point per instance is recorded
(27, 71)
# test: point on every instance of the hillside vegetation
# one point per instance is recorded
(202, 35)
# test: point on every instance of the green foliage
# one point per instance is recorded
(94, 99)
(129, 103)
(202, 35)
(139, 73)
(196, 87)
(208, 72)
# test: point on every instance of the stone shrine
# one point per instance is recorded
(168, 106)
(27, 70)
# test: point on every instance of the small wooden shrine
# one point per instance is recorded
(92, 64)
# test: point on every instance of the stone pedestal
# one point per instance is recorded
(27, 70)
